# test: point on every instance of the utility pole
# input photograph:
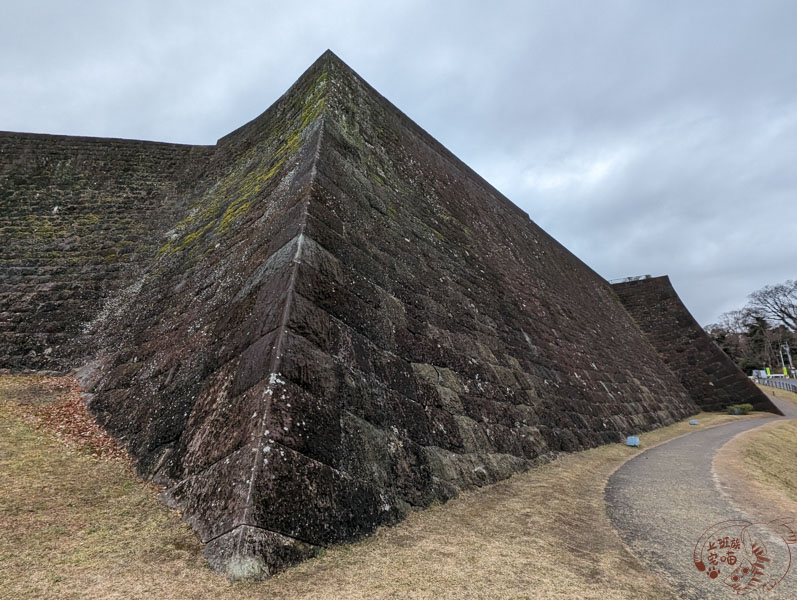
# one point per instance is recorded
(787, 348)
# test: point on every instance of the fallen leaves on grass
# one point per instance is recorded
(55, 404)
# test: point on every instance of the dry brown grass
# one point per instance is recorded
(758, 468)
(78, 527)
(54, 403)
(782, 394)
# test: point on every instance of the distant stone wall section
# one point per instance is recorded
(710, 376)
(79, 219)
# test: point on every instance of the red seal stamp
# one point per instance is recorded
(746, 556)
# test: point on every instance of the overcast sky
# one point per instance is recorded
(647, 137)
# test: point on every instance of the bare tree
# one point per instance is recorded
(733, 321)
(756, 336)
(777, 303)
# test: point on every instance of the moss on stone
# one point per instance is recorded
(218, 212)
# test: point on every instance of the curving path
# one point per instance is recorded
(663, 499)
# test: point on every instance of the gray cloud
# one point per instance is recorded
(646, 137)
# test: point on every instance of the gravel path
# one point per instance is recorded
(662, 500)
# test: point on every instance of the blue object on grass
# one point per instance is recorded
(632, 440)
(693, 422)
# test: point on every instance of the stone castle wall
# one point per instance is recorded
(79, 218)
(711, 377)
(313, 326)
(371, 327)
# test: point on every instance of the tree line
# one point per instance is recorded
(764, 332)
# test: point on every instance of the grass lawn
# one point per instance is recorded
(758, 468)
(77, 523)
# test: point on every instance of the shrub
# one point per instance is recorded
(739, 409)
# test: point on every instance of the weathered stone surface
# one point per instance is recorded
(247, 552)
(345, 322)
(709, 375)
(79, 218)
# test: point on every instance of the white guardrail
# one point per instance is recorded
(783, 384)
